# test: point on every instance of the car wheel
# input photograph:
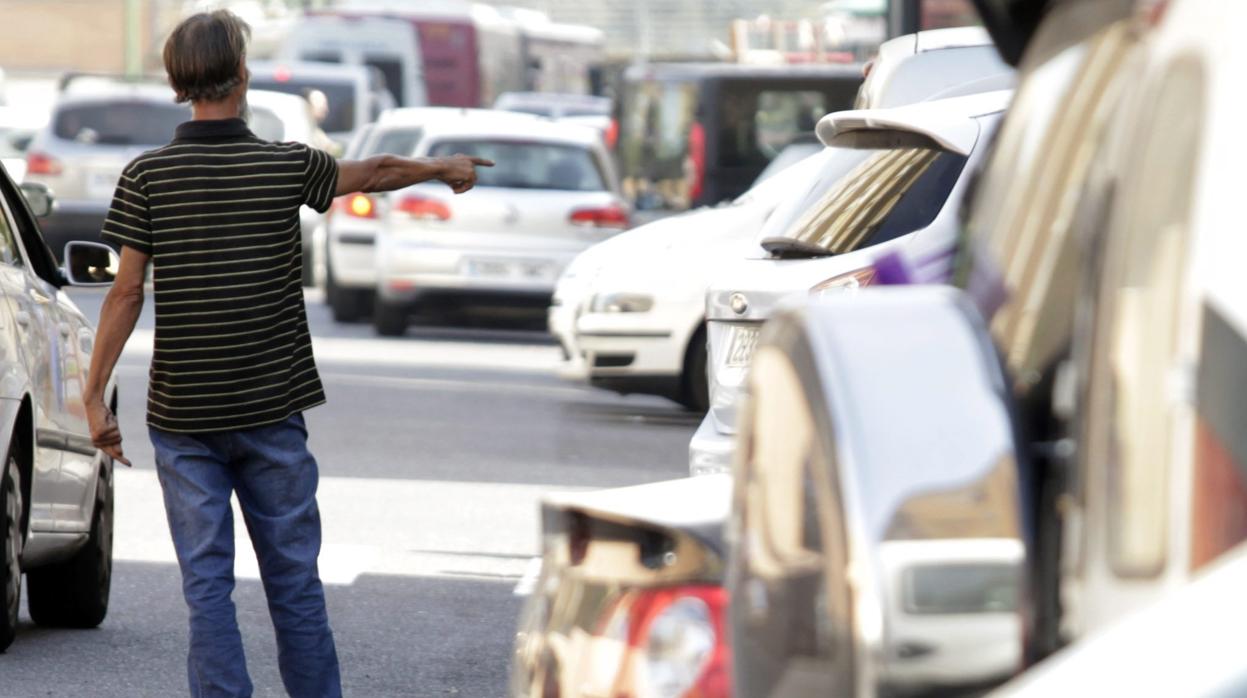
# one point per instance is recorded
(10, 564)
(74, 593)
(696, 395)
(389, 319)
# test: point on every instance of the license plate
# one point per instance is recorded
(519, 270)
(744, 342)
(102, 185)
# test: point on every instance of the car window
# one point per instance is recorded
(529, 165)
(339, 95)
(266, 125)
(866, 197)
(391, 70)
(119, 123)
(1018, 260)
(960, 588)
(396, 142)
(1138, 341)
(8, 242)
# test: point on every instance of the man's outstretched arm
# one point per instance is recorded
(118, 316)
(389, 172)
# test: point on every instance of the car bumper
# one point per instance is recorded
(710, 451)
(353, 255)
(73, 220)
(409, 273)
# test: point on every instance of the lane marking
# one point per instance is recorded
(528, 582)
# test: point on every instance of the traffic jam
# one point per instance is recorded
(953, 309)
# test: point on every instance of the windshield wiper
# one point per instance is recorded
(789, 248)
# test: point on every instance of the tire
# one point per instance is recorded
(10, 558)
(347, 305)
(696, 393)
(74, 593)
(389, 320)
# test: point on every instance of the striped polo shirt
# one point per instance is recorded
(217, 210)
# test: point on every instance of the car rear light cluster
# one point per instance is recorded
(849, 281)
(613, 216)
(43, 164)
(356, 206)
(678, 641)
(423, 208)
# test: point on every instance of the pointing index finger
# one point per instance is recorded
(482, 162)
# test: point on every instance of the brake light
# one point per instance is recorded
(846, 282)
(697, 153)
(357, 206)
(612, 134)
(423, 208)
(282, 74)
(613, 216)
(679, 642)
(43, 164)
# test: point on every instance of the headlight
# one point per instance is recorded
(846, 282)
(621, 303)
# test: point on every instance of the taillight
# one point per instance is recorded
(697, 153)
(423, 208)
(611, 137)
(43, 164)
(613, 216)
(357, 206)
(678, 637)
(850, 281)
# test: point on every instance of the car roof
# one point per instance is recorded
(308, 69)
(674, 71)
(562, 98)
(488, 125)
(948, 122)
(956, 37)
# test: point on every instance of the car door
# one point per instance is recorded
(54, 361)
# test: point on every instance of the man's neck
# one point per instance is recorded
(213, 111)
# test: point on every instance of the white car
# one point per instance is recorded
(552, 194)
(951, 62)
(630, 312)
(892, 184)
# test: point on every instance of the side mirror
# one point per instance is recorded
(90, 263)
(39, 198)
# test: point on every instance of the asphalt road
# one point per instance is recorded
(434, 451)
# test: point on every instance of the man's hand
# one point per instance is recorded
(459, 171)
(105, 433)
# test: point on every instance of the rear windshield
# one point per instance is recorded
(401, 141)
(866, 197)
(339, 95)
(120, 123)
(530, 165)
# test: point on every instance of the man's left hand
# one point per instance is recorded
(105, 432)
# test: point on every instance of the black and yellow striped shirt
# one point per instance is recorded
(218, 212)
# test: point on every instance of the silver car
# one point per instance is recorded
(56, 489)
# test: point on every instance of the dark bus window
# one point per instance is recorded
(322, 56)
(340, 95)
(392, 70)
(120, 123)
(940, 14)
(755, 123)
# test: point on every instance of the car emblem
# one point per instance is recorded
(739, 303)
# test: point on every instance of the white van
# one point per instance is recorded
(391, 46)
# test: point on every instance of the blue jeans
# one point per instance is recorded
(275, 478)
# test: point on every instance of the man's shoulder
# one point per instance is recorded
(178, 149)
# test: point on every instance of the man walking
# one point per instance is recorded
(216, 213)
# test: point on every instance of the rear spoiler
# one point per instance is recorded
(938, 124)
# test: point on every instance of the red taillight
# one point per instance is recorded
(613, 216)
(697, 154)
(679, 641)
(612, 134)
(423, 208)
(357, 206)
(42, 164)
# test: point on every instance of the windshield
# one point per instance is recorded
(339, 95)
(401, 141)
(120, 123)
(866, 197)
(529, 165)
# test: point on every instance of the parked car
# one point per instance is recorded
(353, 225)
(876, 527)
(892, 184)
(345, 96)
(638, 319)
(98, 125)
(18, 126)
(698, 134)
(952, 62)
(56, 489)
(552, 194)
(628, 601)
(390, 46)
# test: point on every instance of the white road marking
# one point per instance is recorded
(400, 352)
(528, 582)
(417, 528)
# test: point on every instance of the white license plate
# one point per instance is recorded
(102, 185)
(744, 342)
(509, 269)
